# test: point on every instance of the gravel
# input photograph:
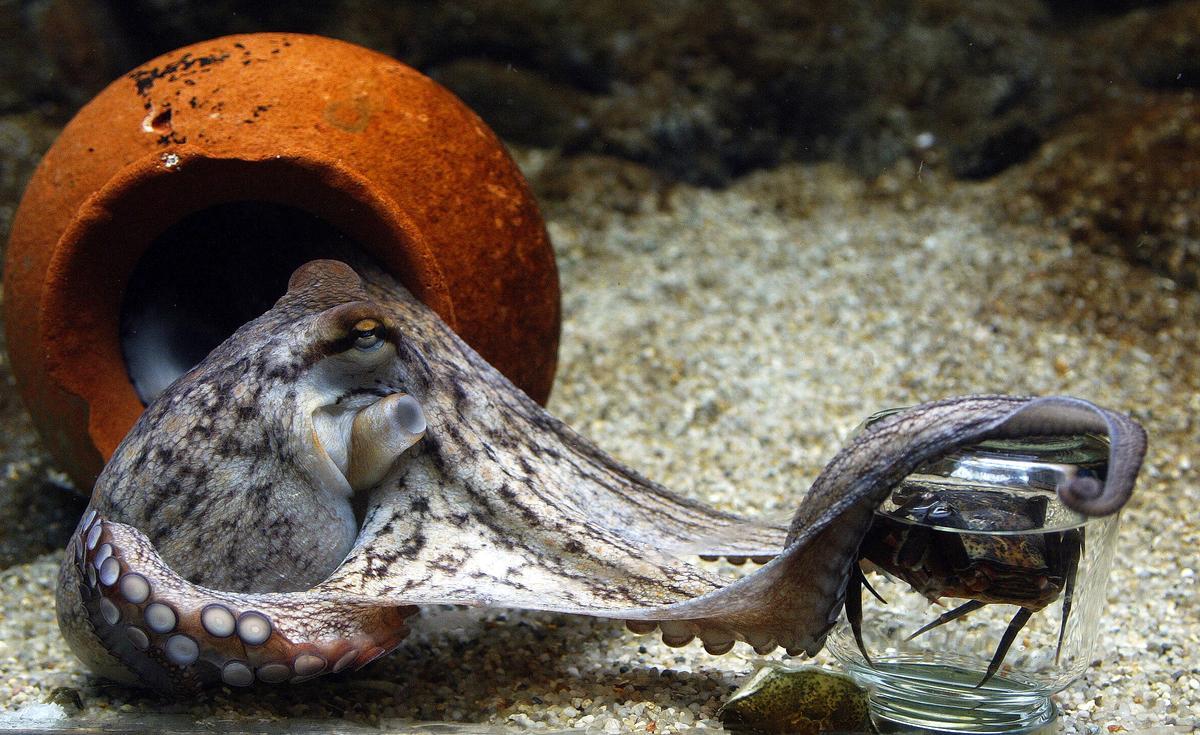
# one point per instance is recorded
(725, 343)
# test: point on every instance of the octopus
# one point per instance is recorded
(282, 509)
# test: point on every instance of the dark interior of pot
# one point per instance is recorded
(210, 273)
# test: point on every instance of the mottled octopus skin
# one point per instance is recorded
(222, 500)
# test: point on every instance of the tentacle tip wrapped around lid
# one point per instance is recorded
(1084, 488)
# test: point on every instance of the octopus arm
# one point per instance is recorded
(581, 562)
(149, 626)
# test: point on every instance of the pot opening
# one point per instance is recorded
(210, 273)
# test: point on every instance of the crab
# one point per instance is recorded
(922, 542)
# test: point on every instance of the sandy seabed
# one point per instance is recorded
(725, 343)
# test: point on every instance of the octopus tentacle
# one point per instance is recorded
(792, 601)
(1067, 415)
(478, 414)
(160, 630)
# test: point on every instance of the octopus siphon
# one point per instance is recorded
(282, 509)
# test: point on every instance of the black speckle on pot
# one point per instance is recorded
(186, 65)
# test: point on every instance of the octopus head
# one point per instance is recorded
(261, 447)
(351, 417)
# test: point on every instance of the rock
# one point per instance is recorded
(1163, 46)
(589, 188)
(83, 45)
(23, 140)
(22, 72)
(37, 514)
(702, 92)
(66, 697)
(1126, 182)
(990, 147)
(789, 700)
(521, 106)
(37, 510)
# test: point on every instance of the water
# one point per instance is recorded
(938, 697)
(982, 525)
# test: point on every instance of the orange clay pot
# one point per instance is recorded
(366, 144)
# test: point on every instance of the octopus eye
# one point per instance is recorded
(367, 334)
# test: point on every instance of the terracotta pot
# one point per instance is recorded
(340, 137)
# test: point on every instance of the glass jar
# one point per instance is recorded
(981, 527)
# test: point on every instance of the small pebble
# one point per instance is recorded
(805, 700)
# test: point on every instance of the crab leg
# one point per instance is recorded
(1006, 641)
(854, 608)
(946, 617)
(1072, 569)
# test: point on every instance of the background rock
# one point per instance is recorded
(36, 512)
(1128, 182)
(702, 91)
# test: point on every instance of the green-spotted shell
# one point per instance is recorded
(801, 700)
